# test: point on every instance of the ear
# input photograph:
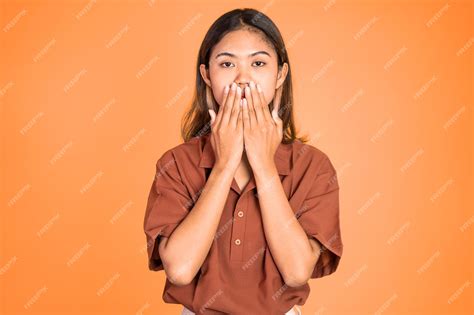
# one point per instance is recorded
(282, 73)
(205, 74)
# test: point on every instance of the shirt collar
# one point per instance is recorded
(283, 155)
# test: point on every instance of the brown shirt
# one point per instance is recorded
(239, 275)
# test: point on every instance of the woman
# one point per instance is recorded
(243, 213)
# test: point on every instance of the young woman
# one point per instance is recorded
(243, 213)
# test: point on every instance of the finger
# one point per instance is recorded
(212, 113)
(245, 114)
(249, 107)
(228, 104)
(257, 104)
(240, 119)
(210, 104)
(220, 112)
(235, 108)
(209, 98)
(276, 110)
(265, 110)
(277, 101)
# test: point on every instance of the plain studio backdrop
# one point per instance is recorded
(92, 93)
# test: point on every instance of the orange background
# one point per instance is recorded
(92, 93)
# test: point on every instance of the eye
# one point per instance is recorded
(226, 63)
(261, 62)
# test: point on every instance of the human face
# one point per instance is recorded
(243, 56)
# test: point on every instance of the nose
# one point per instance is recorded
(243, 79)
(242, 84)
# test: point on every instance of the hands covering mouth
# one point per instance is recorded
(244, 123)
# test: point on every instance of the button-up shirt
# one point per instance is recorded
(239, 274)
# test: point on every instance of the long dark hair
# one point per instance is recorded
(196, 121)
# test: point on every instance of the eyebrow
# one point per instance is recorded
(225, 53)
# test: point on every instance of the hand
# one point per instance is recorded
(227, 130)
(263, 131)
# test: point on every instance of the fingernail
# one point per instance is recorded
(244, 102)
(259, 88)
(247, 91)
(241, 101)
(239, 90)
(226, 89)
(234, 86)
(252, 84)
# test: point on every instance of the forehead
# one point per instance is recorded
(242, 43)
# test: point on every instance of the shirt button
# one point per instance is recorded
(240, 213)
(237, 242)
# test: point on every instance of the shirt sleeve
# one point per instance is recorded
(319, 217)
(168, 204)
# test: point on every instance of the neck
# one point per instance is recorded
(244, 162)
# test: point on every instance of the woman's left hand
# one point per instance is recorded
(263, 131)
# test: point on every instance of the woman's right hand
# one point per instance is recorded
(227, 130)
